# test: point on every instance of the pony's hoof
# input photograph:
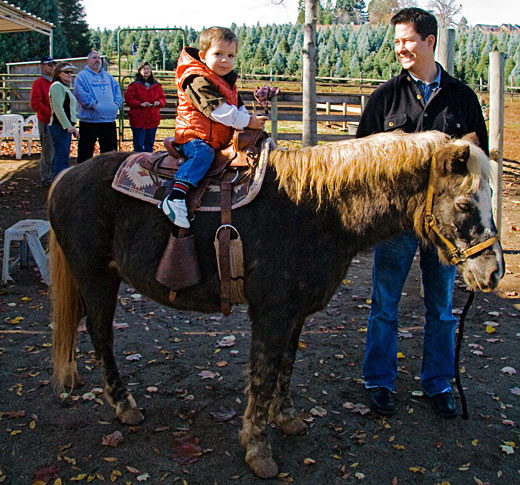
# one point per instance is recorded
(131, 417)
(128, 413)
(73, 381)
(263, 467)
(293, 427)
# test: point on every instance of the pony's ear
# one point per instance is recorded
(471, 137)
(454, 160)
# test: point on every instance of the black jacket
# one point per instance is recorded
(453, 109)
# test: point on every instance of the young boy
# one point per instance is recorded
(209, 110)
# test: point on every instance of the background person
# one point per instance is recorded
(63, 118)
(209, 111)
(99, 100)
(41, 105)
(144, 97)
(423, 97)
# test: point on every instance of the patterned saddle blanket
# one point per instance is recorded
(135, 181)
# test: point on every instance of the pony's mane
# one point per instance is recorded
(325, 170)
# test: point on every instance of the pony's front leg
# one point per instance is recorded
(270, 337)
(282, 412)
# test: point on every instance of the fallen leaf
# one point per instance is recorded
(186, 449)
(510, 371)
(114, 439)
(515, 391)
(309, 461)
(507, 449)
(45, 474)
(318, 411)
(133, 470)
(223, 414)
(207, 374)
(133, 357)
(226, 341)
(490, 329)
(222, 363)
(417, 469)
(143, 477)
(400, 355)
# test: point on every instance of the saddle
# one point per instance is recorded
(241, 153)
(179, 267)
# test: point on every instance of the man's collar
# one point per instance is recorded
(49, 78)
(436, 80)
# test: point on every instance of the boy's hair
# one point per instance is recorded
(214, 34)
(424, 22)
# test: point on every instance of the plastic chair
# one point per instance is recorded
(34, 134)
(12, 128)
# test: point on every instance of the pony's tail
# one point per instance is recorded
(67, 311)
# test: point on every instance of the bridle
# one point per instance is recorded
(457, 255)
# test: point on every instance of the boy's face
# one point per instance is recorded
(220, 57)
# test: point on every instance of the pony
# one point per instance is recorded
(317, 208)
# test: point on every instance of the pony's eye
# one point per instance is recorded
(463, 206)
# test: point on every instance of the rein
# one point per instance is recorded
(457, 255)
(458, 345)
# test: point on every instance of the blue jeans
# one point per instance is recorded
(392, 262)
(143, 139)
(61, 140)
(199, 157)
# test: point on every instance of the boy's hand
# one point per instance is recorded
(257, 122)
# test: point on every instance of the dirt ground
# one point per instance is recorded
(190, 382)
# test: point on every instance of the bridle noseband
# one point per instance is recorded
(457, 255)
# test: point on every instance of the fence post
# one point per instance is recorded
(274, 118)
(445, 52)
(496, 130)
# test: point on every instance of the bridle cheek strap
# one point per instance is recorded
(457, 256)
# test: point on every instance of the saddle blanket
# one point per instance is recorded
(133, 180)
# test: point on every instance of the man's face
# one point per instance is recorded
(414, 53)
(220, 57)
(94, 62)
(47, 68)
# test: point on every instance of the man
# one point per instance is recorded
(423, 97)
(42, 107)
(99, 100)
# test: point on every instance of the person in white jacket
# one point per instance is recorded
(99, 98)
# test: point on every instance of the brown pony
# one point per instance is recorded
(317, 208)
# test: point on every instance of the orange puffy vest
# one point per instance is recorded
(190, 123)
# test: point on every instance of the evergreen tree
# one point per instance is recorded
(75, 28)
(154, 54)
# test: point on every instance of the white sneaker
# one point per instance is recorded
(176, 211)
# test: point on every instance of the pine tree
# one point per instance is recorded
(75, 28)
(154, 54)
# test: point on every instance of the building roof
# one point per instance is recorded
(14, 19)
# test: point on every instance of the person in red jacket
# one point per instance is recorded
(145, 97)
(209, 110)
(42, 107)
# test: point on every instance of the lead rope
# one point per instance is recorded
(458, 345)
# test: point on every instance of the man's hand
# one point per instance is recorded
(257, 122)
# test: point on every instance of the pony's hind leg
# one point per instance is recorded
(282, 412)
(100, 301)
(269, 337)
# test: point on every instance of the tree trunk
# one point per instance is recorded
(310, 133)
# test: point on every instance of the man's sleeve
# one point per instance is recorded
(372, 118)
(37, 102)
(118, 97)
(477, 124)
(83, 94)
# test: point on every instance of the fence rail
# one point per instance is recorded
(337, 112)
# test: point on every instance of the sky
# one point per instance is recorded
(111, 14)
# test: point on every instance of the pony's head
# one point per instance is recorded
(458, 220)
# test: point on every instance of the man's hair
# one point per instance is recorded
(424, 22)
(91, 53)
(214, 34)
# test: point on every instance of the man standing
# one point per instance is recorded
(99, 100)
(42, 107)
(423, 97)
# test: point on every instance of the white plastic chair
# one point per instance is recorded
(34, 134)
(12, 128)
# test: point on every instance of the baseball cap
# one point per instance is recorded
(47, 60)
(66, 67)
